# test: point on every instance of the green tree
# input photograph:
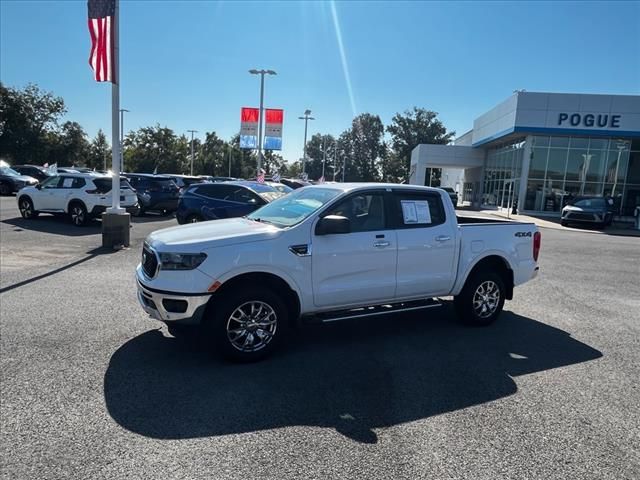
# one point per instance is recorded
(28, 123)
(156, 148)
(363, 148)
(73, 146)
(214, 156)
(320, 147)
(99, 152)
(409, 130)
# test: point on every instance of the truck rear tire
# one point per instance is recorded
(482, 299)
(247, 325)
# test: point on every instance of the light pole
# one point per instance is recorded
(192, 132)
(262, 73)
(306, 118)
(122, 110)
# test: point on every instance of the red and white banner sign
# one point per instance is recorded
(249, 127)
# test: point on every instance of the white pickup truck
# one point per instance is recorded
(330, 252)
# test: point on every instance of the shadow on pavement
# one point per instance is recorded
(354, 376)
(90, 254)
(55, 224)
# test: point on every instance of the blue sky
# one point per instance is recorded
(184, 64)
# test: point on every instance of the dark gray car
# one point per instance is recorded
(11, 181)
(597, 211)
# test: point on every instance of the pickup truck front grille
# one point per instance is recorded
(149, 262)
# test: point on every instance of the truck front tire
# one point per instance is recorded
(247, 325)
(481, 299)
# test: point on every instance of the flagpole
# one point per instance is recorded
(116, 220)
(115, 120)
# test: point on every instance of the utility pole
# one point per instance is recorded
(122, 110)
(306, 118)
(262, 73)
(229, 151)
(192, 132)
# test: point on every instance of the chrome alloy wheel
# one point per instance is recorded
(25, 208)
(77, 215)
(252, 326)
(486, 299)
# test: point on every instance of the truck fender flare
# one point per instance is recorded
(462, 279)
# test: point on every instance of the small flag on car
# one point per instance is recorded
(261, 176)
(102, 28)
(321, 179)
(276, 177)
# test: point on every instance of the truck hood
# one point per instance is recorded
(197, 237)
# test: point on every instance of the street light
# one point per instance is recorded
(122, 110)
(192, 132)
(306, 118)
(262, 73)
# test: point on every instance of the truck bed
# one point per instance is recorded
(483, 220)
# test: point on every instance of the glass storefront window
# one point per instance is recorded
(538, 163)
(575, 165)
(559, 142)
(630, 199)
(579, 142)
(534, 195)
(557, 163)
(595, 165)
(633, 175)
(599, 144)
(618, 161)
(540, 141)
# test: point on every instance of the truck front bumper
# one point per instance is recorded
(172, 308)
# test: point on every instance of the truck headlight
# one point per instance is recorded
(181, 261)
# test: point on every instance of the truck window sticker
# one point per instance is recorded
(415, 212)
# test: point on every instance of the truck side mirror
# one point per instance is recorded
(333, 224)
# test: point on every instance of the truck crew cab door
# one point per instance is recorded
(426, 244)
(356, 268)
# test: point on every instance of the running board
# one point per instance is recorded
(336, 315)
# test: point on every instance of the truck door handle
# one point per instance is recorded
(443, 238)
(382, 244)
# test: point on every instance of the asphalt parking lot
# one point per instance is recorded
(93, 388)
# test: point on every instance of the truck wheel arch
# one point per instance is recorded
(271, 281)
(497, 264)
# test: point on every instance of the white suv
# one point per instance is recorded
(80, 195)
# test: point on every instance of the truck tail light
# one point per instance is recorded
(537, 238)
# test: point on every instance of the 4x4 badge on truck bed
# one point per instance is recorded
(523, 234)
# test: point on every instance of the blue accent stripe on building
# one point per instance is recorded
(558, 131)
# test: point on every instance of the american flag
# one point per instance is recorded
(101, 29)
(275, 177)
(261, 176)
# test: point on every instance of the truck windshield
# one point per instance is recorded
(294, 207)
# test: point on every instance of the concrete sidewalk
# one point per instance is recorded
(554, 222)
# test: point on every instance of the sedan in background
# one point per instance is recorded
(39, 173)
(11, 181)
(211, 201)
(596, 211)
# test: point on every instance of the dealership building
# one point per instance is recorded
(537, 150)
